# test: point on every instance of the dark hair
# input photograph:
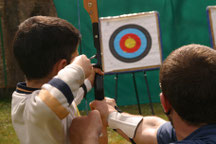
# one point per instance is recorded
(188, 81)
(41, 41)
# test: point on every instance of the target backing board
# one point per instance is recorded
(211, 10)
(130, 42)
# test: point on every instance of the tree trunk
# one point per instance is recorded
(13, 13)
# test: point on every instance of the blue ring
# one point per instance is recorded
(127, 31)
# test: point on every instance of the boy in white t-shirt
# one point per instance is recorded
(56, 79)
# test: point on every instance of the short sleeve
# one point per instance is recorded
(166, 134)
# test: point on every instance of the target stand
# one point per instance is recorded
(131, 43)
(211, 11)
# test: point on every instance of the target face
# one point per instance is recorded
(130, 43)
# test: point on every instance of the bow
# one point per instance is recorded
(91, 8)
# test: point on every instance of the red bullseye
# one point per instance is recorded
(130, 43)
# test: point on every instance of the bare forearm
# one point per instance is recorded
(147, 130)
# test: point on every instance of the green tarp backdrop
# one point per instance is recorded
(181, 22)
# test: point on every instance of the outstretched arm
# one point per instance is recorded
(143, 130)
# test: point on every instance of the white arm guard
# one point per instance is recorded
(126, 123)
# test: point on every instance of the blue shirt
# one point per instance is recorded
(204, 135)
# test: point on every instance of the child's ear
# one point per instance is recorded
(58, 66)
(61, 64)
(75, 54)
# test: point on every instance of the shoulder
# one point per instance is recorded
(166, 134)
(203, 135)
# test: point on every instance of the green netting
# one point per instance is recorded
(181, 21)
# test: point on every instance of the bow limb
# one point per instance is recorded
(91, 8)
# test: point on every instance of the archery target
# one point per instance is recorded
(130, 42)
(211, 10)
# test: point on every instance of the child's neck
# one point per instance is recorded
(36, 83)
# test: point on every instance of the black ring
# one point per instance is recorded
(130, 60)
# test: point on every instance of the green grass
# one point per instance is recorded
(7, 133)
(8, 136)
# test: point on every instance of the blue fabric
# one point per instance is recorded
(166, 134)
(63, 87)
(204, 135)
(22, 88)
